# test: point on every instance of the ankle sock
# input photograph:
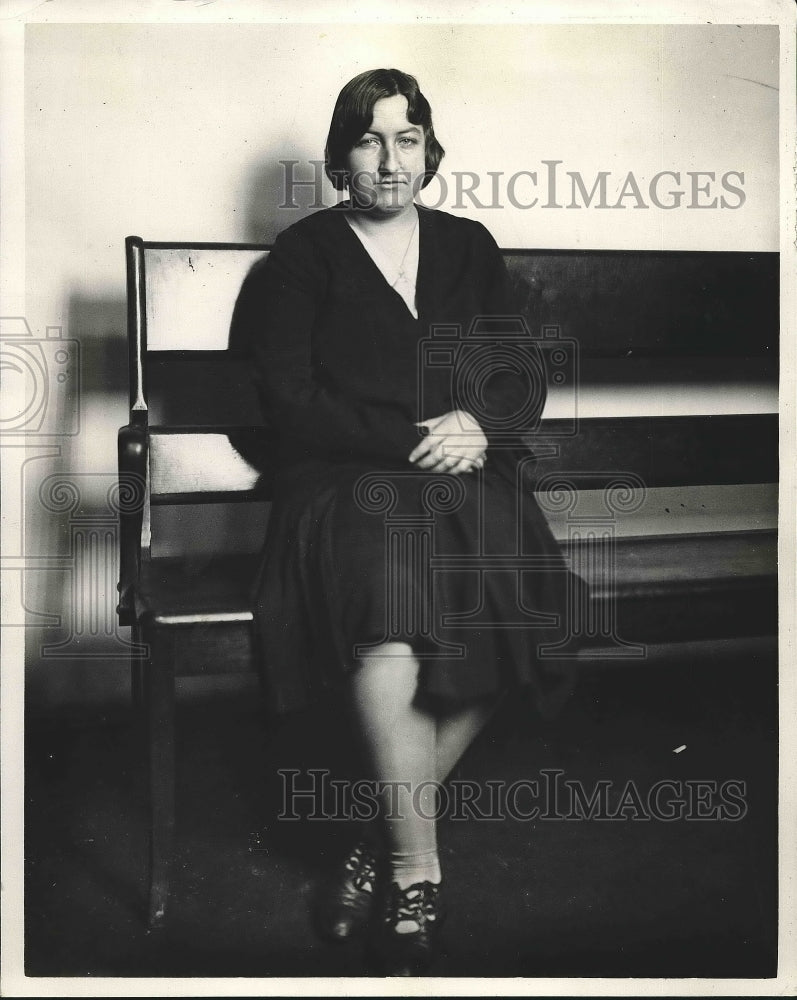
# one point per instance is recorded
(411, 867)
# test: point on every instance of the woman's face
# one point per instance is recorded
(387, 164)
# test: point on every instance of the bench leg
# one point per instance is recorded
(137, 674)
(160, 705)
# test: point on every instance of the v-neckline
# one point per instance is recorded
(420, 284)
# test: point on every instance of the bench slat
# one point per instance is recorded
(659, 565)
(694, 303)
(677, 510)
(620, 304)
(195, 388)
(662, 451)
(191, 294)
(192, 463)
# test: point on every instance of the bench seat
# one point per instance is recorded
(663, 588)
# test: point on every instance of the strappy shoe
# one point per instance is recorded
(412, 953)
(345, 903)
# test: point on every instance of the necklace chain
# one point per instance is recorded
(402, 276)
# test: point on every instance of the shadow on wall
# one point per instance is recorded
(283, 191)
(77, 656)
(80, 657)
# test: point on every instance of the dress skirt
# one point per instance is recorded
(464, 569)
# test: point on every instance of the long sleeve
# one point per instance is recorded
(511, 385)
(287, 296)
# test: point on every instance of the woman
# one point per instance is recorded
(368, 418)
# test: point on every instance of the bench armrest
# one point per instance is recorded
(132, 446)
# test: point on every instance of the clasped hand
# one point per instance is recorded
(455, 443)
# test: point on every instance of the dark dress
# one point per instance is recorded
(361, 545)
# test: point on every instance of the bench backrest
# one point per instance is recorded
(672, 372)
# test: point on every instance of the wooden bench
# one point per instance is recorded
(658, 445)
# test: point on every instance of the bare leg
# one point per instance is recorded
(400, 739)
(410, 750)
(456, 732)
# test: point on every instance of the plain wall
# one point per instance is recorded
(176, 132)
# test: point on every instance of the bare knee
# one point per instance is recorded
(393, 666)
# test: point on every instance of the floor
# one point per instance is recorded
(550, 896)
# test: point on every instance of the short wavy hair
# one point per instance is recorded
(354, 111)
